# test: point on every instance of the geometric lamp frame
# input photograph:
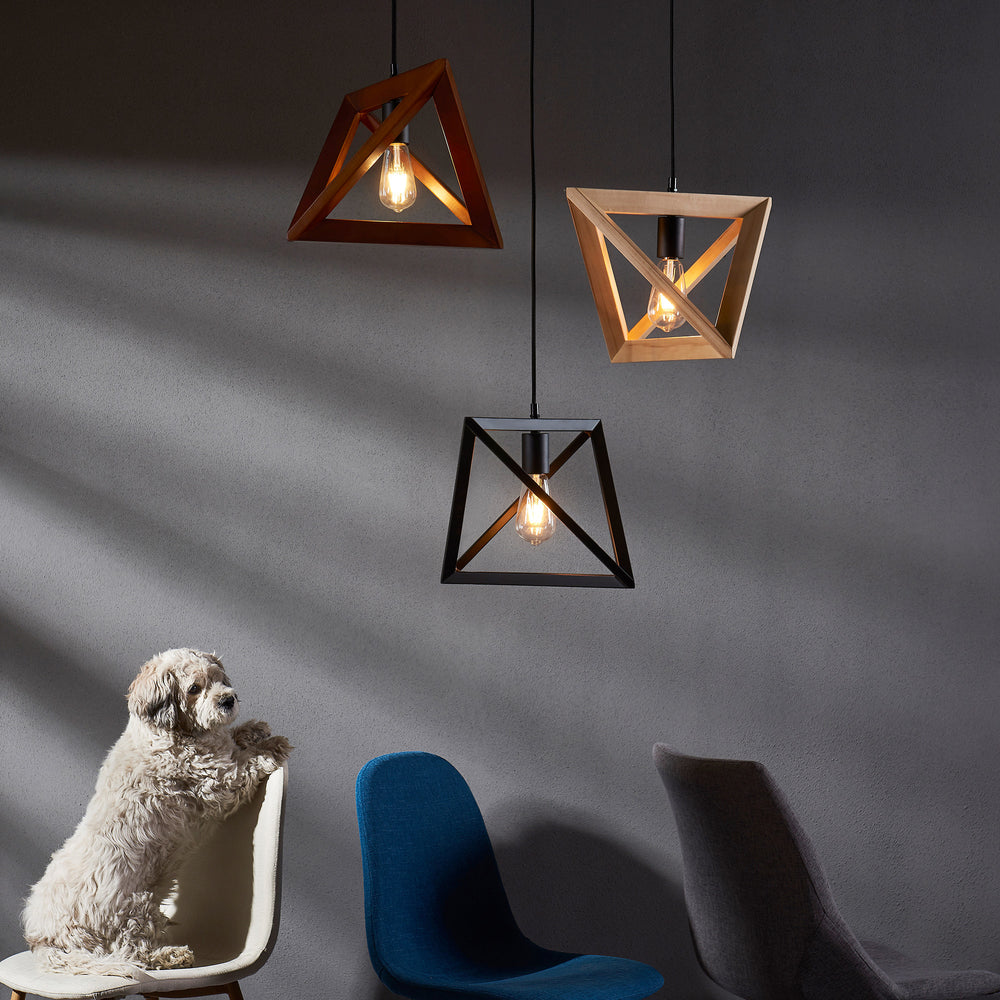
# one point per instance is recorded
(478, 429)
(592, 209)
(334, 175)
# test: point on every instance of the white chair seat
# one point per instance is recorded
(21, 973)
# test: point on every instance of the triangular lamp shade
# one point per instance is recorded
(334, 175)
(592, 210)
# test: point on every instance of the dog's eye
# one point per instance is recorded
(194, 689)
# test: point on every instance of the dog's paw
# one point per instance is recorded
(276, 748)
(172, 957)
(251, 734)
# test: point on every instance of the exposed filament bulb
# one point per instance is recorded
(397, 186)
(661, 312)
(535, 521)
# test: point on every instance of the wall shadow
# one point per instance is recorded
(379, 992)
(580, 890)
(74, 689)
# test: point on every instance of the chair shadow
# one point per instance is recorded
(578, 890)
(575, 890)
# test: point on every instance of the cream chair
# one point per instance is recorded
(226, 909)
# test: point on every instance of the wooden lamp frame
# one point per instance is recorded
(592, 209)
(332, 177)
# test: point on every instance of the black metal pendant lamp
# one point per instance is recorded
(536, 512)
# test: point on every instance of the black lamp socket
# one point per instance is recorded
(535, 453)
(387, 109)
(670, 237)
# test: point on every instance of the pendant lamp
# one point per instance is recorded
(399, 99)
(669, 308)
(536, 513)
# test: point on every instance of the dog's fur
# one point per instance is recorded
(176, 770)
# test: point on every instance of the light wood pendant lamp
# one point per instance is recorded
(652, 338)
(399, 98)
(536, 514)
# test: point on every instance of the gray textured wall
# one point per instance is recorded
(213, 437)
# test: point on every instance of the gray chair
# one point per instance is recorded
(763, 920)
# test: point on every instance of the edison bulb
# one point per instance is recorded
(535, 522)
(397, 187)
(661, 312)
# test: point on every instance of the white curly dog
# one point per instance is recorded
(176, 770)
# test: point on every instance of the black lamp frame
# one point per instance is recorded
(478, 428)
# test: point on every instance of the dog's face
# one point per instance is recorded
(183, 690)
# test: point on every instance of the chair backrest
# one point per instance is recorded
(434, 901)
(228, 898)
(755, 892)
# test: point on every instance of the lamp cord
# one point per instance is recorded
(393, 64)
(673, 165)
(531, 120)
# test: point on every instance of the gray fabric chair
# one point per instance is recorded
(763, 920)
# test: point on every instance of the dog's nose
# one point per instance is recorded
(227, 702)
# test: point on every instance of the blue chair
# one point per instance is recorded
(438, 921)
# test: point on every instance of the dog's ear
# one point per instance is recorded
(152, 696)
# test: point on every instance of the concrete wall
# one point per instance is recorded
(213, 437)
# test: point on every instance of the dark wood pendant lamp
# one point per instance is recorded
(669, 306)
(535, 512)
(399, 98)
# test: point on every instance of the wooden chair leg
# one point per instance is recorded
(234, 991)
(15, 995)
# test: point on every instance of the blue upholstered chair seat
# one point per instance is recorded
(438, 921)
(596, 977)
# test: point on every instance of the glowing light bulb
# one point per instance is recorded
(535, 522)
(661, 312)
(397, 187)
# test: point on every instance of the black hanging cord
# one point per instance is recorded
(673, 164)
(390, 106)
(531, 119)
(393, 73)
